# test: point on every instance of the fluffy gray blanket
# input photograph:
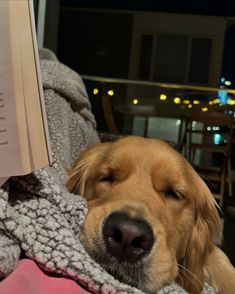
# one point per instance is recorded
(37, 214)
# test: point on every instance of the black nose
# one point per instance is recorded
(127, 239)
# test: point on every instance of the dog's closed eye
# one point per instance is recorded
(172, 194)
(107, 178)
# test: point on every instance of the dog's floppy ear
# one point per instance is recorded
(206, 229)
(79, 173)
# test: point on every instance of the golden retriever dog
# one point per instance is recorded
(151, 219)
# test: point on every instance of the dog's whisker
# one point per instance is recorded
(191, 276)
(181, 278)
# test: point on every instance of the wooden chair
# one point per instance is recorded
(108, 114)
(202, 139)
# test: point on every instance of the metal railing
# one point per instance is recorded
(155, 84)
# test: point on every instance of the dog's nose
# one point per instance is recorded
(126, 238)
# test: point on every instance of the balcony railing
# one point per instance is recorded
(161, 104)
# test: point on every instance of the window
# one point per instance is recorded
(170, 59)
(200, 61)
(145, 56)
(175, 59)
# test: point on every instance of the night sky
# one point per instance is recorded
(223, 7)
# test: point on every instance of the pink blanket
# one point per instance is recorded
(28, 278)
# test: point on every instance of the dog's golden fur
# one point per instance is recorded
(148, 179)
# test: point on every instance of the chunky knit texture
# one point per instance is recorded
(37, 214)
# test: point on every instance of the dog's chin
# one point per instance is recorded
(132, 274)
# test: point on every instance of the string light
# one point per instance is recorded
(163, 97)
(95, 91)
(216, 101)
(177, 100)
(231, 102)
(110, 92)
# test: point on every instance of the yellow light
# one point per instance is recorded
(231, 102)
(196, 102)
(110, 92)
(215, 101)
(177, 100)
(95, 91)
(135, 101)
(211, 102)
(204, 109)
(163, 97)
(190, 106)
(186, 101)
(227, 83)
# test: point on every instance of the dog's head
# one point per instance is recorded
(151, 219)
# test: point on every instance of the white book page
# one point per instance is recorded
(13, 128)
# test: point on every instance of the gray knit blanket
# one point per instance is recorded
(38, 216)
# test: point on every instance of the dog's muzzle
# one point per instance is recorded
(126, 238)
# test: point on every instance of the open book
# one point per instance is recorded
(24, 142)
